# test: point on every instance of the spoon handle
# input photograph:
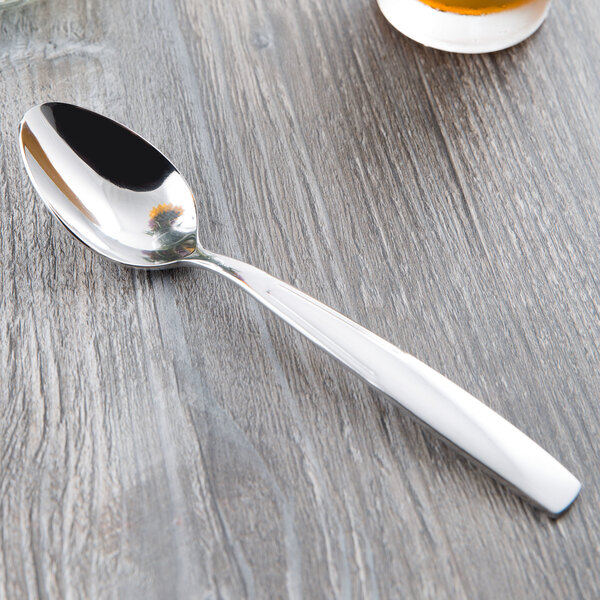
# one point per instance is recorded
(451, 411)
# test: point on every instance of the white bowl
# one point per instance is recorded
(468, 34)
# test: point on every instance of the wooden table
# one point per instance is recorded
(162, 436)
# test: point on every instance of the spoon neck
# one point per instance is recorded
(215, 262)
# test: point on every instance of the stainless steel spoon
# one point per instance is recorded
(121, 197)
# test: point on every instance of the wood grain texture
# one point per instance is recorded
(161, 436)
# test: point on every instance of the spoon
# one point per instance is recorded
(122, 198)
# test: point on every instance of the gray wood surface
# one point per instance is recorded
(162, 436)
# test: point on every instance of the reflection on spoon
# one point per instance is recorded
(171, 242)
(40, 157)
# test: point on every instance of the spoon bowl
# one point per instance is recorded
(112, 189)
(121, 197)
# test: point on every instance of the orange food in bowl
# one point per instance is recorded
(474, 7)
